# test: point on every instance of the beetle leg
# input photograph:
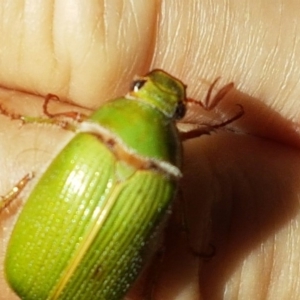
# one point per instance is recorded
(185, 229)
(12, 116)
(74, 115)
(196, 128)
(205, 128)
(15, 191)
(66, 120)
(211, 102)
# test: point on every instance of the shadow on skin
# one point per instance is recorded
(240, 188)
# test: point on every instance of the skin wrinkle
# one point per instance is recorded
(207, 45)
(99, 39)
(294, 228)
(226, 33)
(291, 260)
(172, 35)
(105, 22)
(196, 31)
(135, 18)
(166, 14)
(121, 33)
(289, 65)
(273, 52)
(267, 268)
(153, 36)
(209, 35)
(121, 41)
(253, 40)
(286, 65)
(138, 35)
(295, 259)
(51, 40)
(247, 55)
(51, 27)
(241, 56)
(21, 36)
(193, 30)
(218, 56)
(94, 34)
(268, 68)
(273, 262)
(287, 70)
(257, 41)
(240, 282)
(244, 56)
(31, 31)
(60, 50)
(189, 42)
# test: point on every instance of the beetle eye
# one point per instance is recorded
(137, 84)
(180, 110)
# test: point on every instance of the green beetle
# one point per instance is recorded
(84, 230)
(86, 227)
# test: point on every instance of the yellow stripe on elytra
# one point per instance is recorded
(81, 251)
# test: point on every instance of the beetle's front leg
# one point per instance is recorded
(68, 120)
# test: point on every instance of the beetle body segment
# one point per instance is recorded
(155, 139)
(83, 231)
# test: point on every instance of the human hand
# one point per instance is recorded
(240, 190)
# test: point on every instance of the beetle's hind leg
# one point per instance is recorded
(15, 191)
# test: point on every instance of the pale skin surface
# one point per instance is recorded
(241, 190)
